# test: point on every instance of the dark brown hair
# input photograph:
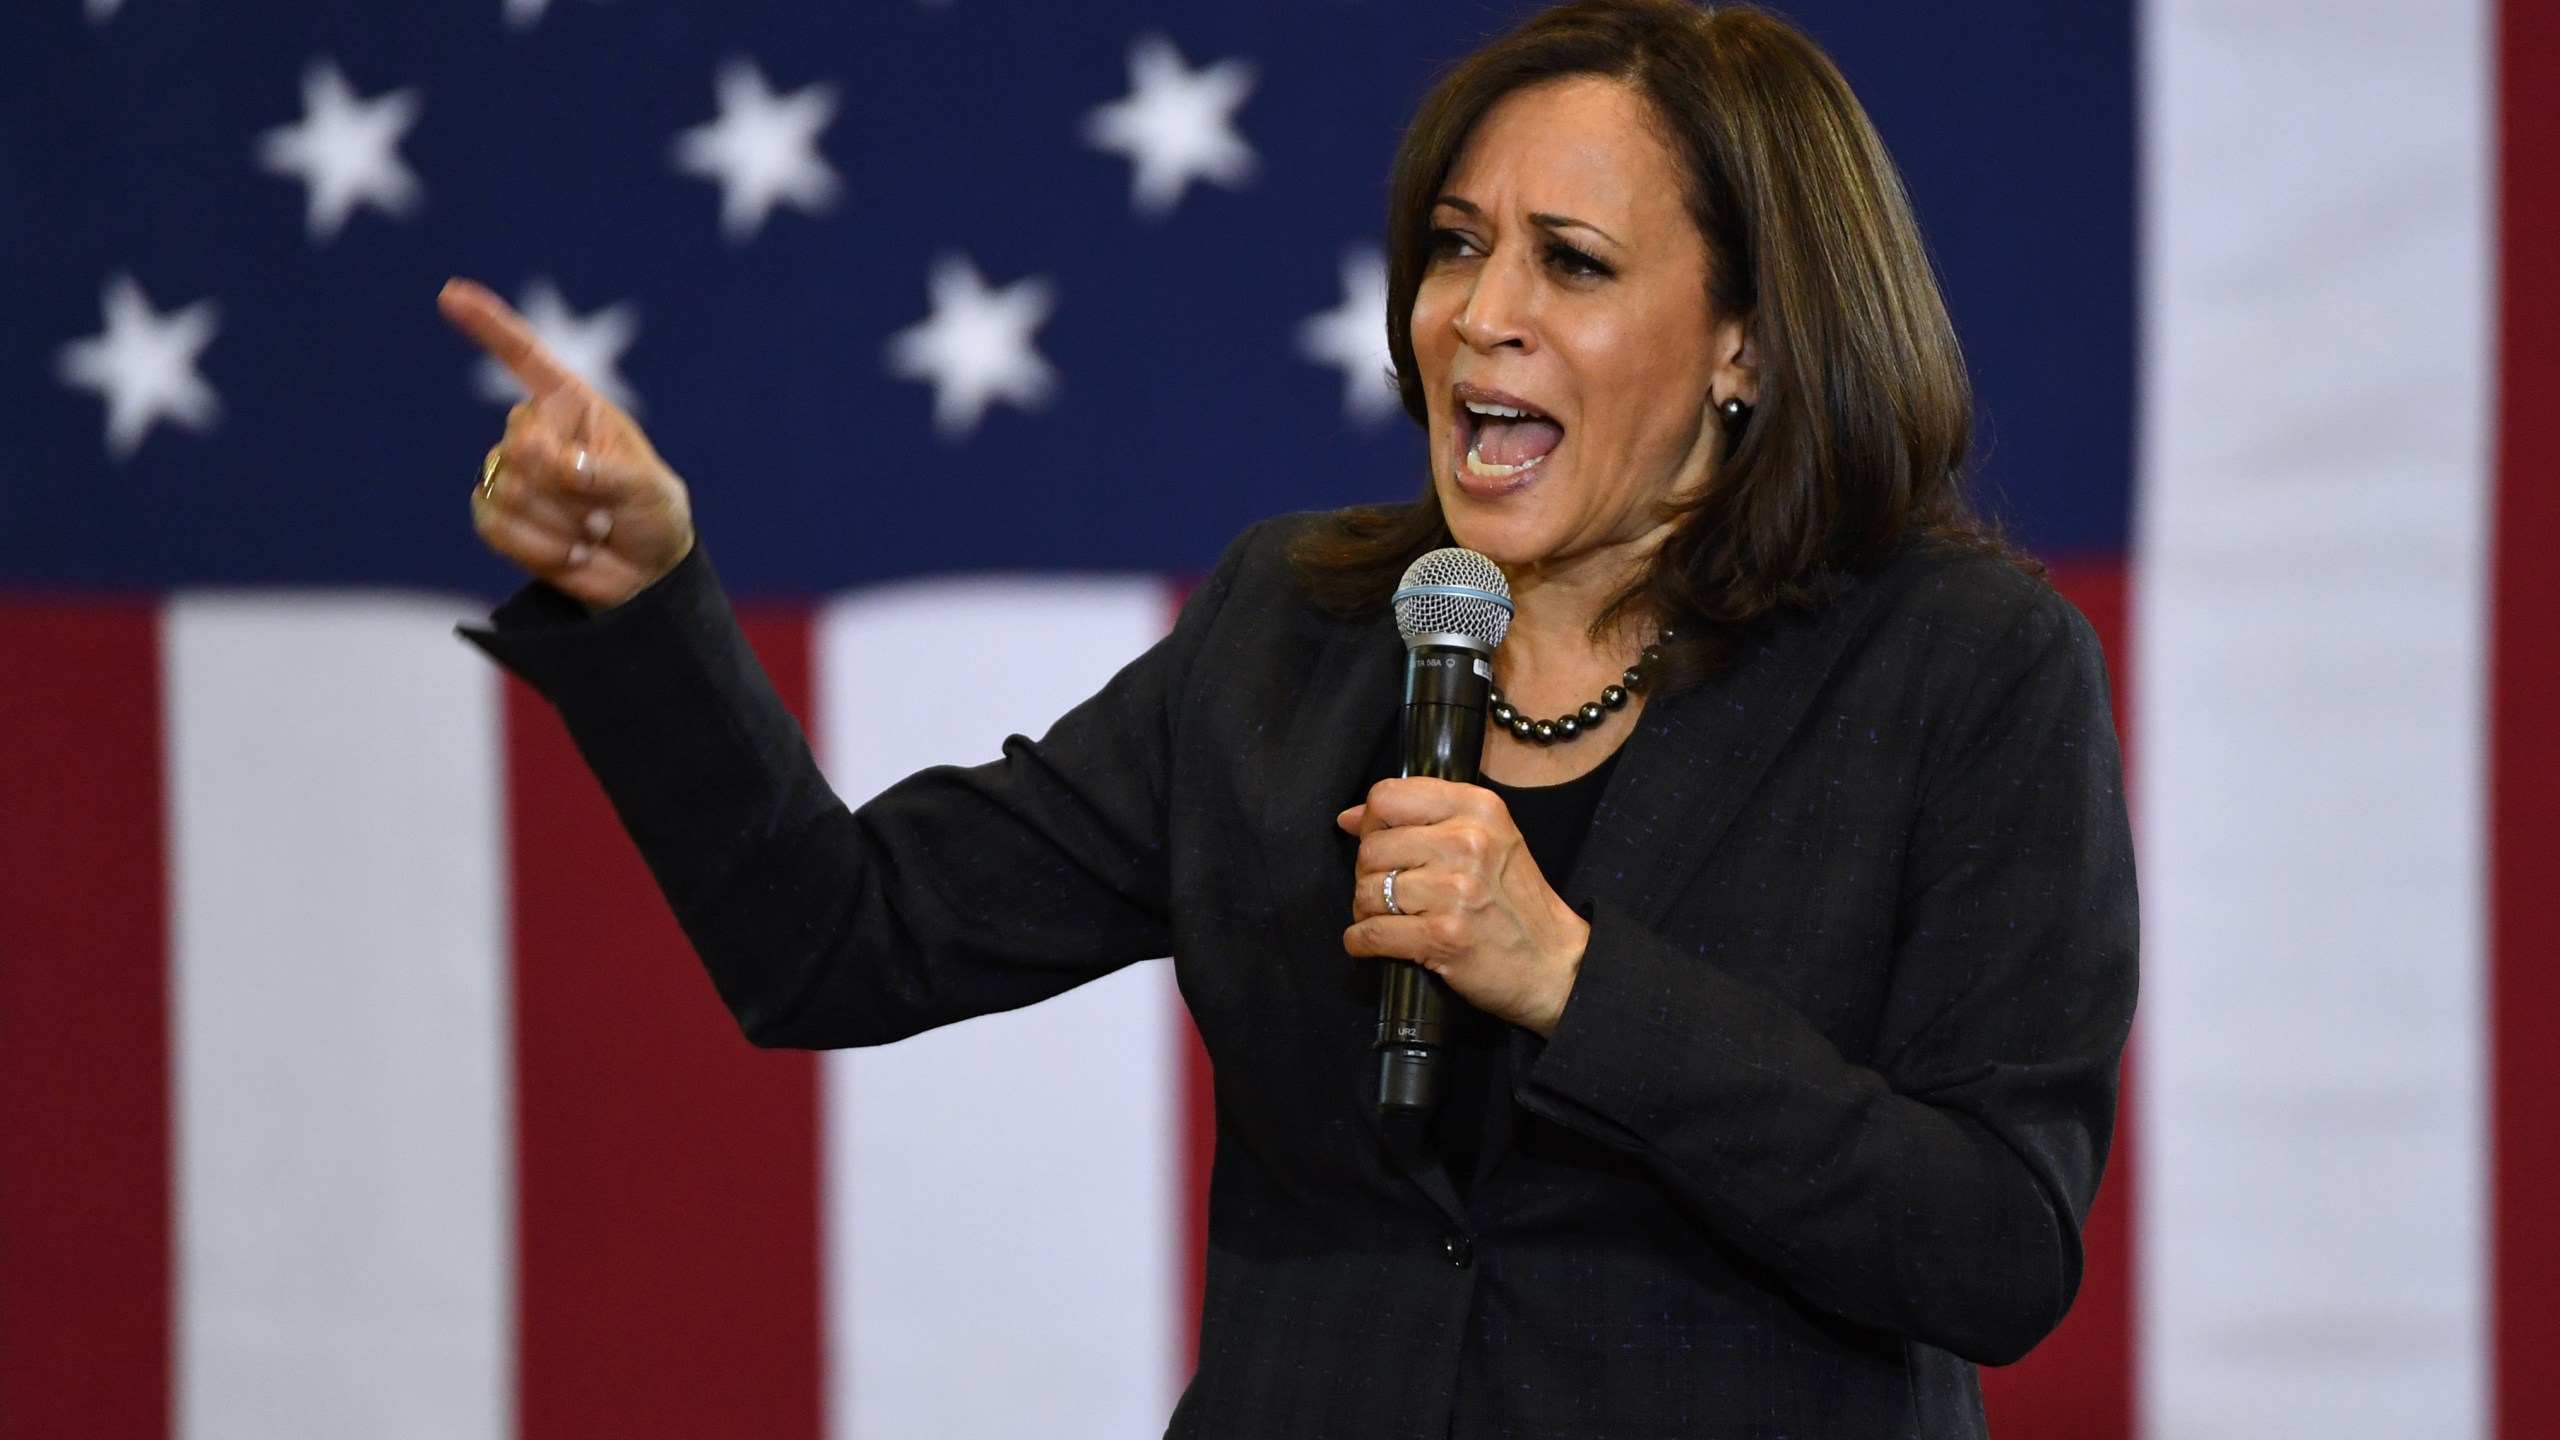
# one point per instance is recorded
(1864, 420)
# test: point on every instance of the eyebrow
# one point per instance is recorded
(1540, 218)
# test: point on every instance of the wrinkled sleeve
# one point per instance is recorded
(956, 892)
(1937, 1192)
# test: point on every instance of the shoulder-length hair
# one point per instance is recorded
(1864, 420)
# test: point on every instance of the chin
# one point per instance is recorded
(1509, 534)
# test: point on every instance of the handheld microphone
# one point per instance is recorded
(1453, 607)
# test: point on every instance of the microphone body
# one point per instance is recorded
(1446, 687)
(1453, 608)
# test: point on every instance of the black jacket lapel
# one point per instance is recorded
(1355, 691)
(1699, 753)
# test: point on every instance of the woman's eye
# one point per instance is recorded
(1450, 244)
(1577, 263)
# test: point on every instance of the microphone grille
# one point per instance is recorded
(1454, 591)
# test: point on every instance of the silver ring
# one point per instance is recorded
(1387, 883)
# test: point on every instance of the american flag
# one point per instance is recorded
(354, 1082)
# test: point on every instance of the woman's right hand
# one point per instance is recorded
(578, 496)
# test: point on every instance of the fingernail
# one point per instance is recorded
(578, 553)
(579, 463)
(599, 524)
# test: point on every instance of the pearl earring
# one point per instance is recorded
(1735, 413)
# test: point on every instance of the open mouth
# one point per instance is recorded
(1504, 437)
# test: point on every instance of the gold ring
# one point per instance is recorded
(489, 472)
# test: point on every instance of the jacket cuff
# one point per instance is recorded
(553, 642)
(544, 608)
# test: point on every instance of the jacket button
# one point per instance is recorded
(1460, 1253)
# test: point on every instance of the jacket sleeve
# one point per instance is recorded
(1938, 1192)
(956, 892)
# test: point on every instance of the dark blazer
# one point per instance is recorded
(1824, 1112)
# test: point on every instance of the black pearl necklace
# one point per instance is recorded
(1574, 724)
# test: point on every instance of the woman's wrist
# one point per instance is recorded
(602, 605)
(1550, 1013)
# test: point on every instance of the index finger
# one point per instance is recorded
(494, 326)
(1417, 800)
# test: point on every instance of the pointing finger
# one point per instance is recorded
(566, 412)
(494, 326)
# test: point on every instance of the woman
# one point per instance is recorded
(1796, 979)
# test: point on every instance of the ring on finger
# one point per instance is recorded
(489, 468)
(1387, 885)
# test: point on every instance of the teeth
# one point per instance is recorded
(1482, 407)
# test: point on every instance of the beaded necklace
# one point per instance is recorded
(1574, 724)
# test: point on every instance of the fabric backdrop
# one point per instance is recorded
(354, 1082)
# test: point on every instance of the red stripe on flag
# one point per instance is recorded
(1198, 1117)
(668, 1190)
(84, 1036)
(2078, 1384)
(2524, 739)
(1199, 1154)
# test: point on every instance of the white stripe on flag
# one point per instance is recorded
(2309, 580)
(1002, 1230)
(340, 1023)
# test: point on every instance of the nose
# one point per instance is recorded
(1496, 314)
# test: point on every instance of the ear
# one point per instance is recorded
(1737, 371)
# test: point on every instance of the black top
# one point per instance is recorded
(1552, 820)
(1815, 1132)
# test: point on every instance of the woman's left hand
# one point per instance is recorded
(1476, 912)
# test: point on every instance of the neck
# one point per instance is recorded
(1552, 664)
(1561, 600)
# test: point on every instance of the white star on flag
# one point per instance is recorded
(144, 365)
(590, 345)
(1176, 125)
(976, 347)
(346, 150)
(1353, 337)
(762, 151)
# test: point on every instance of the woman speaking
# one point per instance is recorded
(1792, 921)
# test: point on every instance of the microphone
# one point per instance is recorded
(1453, 607)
